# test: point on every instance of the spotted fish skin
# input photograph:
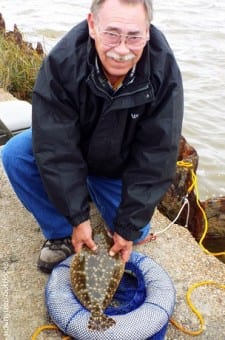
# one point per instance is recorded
(95, 277)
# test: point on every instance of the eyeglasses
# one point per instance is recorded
(113, 39)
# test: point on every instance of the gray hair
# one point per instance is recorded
(96, 5)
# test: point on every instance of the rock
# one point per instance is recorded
(16, 37)
(2, 24)
(39, 49)
(182, 188)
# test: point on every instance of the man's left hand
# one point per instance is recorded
(122, 246)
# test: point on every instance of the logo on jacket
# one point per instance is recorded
(134, 115)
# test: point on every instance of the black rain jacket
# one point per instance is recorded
(81, 127)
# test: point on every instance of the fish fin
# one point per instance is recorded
(100, 323)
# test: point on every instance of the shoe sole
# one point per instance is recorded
(45, 268)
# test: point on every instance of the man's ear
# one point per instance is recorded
(91, 25)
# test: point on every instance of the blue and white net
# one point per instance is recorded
(141, 307)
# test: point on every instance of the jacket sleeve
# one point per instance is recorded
(56, 142)
(153, 155)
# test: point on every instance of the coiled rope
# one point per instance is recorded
(194, 186)
(194, 309)
(49, 327)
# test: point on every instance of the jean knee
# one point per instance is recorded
(15, 150)
(8, 154)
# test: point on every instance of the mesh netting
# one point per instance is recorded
(141, 306)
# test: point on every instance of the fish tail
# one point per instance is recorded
(100, 322)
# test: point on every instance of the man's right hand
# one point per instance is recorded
(82, 235)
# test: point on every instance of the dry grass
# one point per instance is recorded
(18, 68)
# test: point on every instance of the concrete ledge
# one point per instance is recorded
(4, 95)
(16, 114)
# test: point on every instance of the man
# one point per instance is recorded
(107, 116)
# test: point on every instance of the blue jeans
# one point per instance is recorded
(20, 166)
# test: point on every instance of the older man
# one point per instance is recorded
(107, 117)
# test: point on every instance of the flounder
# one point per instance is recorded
(95, 277)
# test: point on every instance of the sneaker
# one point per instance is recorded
(53, 252)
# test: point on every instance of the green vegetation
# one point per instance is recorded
(19, 65)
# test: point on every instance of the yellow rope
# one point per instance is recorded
(194, 185)
(47, 327)
(198, 284)
(194, 309)
(205, 223)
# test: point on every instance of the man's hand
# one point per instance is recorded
(121, 245)
(82, 235)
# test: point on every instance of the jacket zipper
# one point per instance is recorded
(120, 95)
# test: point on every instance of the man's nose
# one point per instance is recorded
(122, 46)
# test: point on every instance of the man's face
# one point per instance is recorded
(115, 18)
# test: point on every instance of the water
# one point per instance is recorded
(196, 32)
